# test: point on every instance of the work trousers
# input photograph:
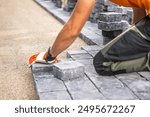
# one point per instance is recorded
(128, 52)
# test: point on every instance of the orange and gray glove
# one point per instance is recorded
(43, 57)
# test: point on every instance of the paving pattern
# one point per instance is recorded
(90, 85)
(132, 86)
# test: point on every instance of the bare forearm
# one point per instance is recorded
(73, 27)
(138, 14)
(64, 39)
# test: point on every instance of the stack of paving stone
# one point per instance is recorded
(101, 6)
(96, 10)
(111, 21)
(112, 25)
(126, 13)
(58, 3)
(70, 5)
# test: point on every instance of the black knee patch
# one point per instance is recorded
(98, 61)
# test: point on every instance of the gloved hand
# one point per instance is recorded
(43, 57)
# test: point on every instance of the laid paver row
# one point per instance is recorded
(110, 87)
(49, 87)
(140, 86)
(91, 85)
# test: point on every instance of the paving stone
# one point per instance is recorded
(70, 5)
(125, 25)
(111, 8)
(58, 3)
(111, 34)
(112, 88)
(41, 74)
(105, 2)
(86, 61)
(137, 84)
(90, 71)
(93, 53)
(36, 67)
(128, 78)
(68, 70)
(83, 89)
(49, 85)
(141, 88)
(98, 42)
(110, 17)
(91, 48)
(119, 94)
(106, 40)
(88, 36)
(81, 56)
(59, 95)
(86, 39)
(87, 95)
(146, 75)
(75, 52)
(110, 26)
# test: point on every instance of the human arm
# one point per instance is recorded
(73, 27)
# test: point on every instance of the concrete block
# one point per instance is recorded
(91, 48)
(87, 95)
(49, 85)
(131, 76)
(75, 52)
(141, 88)
(58, 3)
(111, 34)
(125, 24)
(81, 56)
(110, 26)
(90, 71)
(111, 8)
(106, 2)
(93, 53)
(86, 61)
(82, 88)
(107, 40)
(137, 84)
(112, 88)
(119, 94)
(38, 67)
(59, 95)
(68, 70)
(41, 75)
(145, 74)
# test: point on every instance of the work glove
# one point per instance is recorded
(43, 57)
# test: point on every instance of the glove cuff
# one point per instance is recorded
(49, 56)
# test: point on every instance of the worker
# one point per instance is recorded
(128, 52)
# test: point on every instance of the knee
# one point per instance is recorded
(98, 64)
(98, 61)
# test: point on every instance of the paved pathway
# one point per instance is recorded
(132, 86)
